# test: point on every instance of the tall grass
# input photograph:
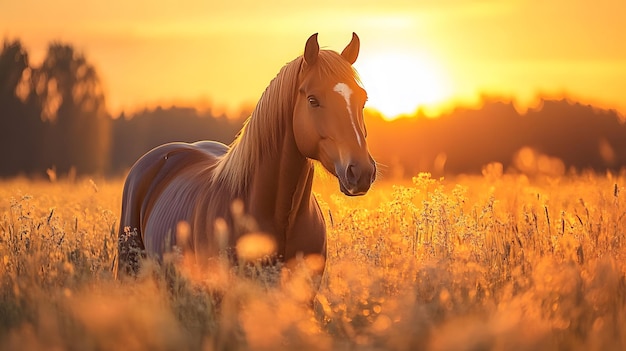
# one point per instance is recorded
(498, 262)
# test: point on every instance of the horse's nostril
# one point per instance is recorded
(352, 174)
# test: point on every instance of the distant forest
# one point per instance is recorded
(559, 136)
(54, 116)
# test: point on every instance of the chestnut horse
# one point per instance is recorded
(312, 110)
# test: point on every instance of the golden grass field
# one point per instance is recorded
(498, 262)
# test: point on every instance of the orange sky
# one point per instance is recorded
(413, 52)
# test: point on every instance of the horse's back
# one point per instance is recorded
(214, 148)
(151, 177)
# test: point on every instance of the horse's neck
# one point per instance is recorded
(280, 187)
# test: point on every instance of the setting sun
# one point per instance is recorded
(400, 83)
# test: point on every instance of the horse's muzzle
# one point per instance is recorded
(355, 179)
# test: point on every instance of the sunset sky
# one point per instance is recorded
(412, 52)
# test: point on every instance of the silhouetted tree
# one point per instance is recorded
(72, 104)
(20, 127)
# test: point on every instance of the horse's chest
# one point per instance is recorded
(307, 233)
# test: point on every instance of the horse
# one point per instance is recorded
(311, 112)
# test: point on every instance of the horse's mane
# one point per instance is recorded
(262, 132)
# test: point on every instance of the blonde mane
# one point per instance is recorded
(263, 131)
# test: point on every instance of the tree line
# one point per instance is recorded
(54, 116)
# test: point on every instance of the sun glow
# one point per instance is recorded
(400, 83)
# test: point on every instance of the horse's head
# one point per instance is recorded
(328, 117)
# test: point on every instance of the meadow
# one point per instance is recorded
(491, 262)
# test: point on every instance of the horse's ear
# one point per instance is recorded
(351, 52)
(311, 50)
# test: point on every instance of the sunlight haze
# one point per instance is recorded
(413, 54)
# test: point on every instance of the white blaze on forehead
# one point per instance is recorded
(344, 90)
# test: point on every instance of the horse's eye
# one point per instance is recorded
(313, 101)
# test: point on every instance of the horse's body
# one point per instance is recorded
(268, 168)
